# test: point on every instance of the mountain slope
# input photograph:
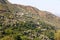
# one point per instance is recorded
(19, 22)
(44, 15)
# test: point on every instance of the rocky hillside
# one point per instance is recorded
(19, 22)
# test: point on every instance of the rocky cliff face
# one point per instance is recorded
(3, 1)
(19, 22)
